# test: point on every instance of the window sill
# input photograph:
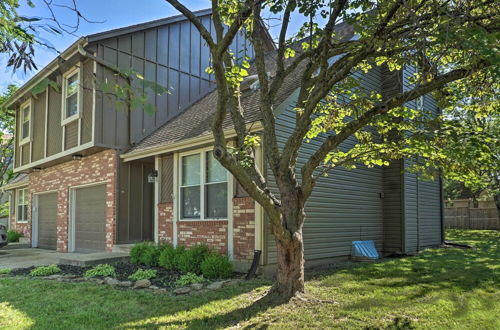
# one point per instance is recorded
(23, 222)
(69, 120)
(25, 141)
(201, 220)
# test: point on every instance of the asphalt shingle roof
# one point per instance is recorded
(196, 120)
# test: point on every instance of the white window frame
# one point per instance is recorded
(202, 184)
(18, 192)
(24, 140)
(68, 74)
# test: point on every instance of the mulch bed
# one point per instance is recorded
(164, 278)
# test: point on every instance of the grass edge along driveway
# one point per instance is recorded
(439, 289)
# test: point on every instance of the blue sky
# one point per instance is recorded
(114, 13)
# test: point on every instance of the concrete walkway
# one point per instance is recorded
(21, 258)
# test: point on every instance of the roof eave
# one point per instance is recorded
(46, 71)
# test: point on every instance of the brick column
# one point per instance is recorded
(165, 223)
(244, 228)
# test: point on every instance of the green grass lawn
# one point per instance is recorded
(438, 289)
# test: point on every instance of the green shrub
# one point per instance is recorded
(145, 254)
(216, 266)
(188, 279)
(13, 236)
(143, 274)
(5, 271)
(103, 270)
(190, 261)
(45, 270)
(170, 257)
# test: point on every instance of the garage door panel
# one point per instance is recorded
(47, 221)
(90, 219)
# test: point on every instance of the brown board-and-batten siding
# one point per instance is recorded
(39, 107)
(345, 206)
(173, 56)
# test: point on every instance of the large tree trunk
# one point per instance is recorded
(290, 276)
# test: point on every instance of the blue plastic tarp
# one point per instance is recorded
(364, 249)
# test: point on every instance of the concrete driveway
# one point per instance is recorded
(21, 258)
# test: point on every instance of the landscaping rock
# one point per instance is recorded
(197, 286)
(232, 282)
(154, 287)
(111, 281)
(183, 290)
(54, 277)
(216, 285)
(96, 280)
(125, 284)
(142, 284)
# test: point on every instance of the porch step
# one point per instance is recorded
(122, 248)
(91, 259)
(13, 246)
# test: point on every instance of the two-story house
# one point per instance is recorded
(96, 176)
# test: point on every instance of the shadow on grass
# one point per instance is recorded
(55, 305)
(430, 275)
(415, 279)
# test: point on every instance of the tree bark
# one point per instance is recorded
(290, 276)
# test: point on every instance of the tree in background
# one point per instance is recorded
(7, 123)
(20, 34)
(472, 140)
(454, 45)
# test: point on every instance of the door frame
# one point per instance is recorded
(34, 216)
(71, 208)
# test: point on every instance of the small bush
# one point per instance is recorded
(190, 261)
(45, 270)
(103, 270)
(170, 257)
(188, 279)
(216, 266)
(143, 274)
(5, 271)
(13, 236)
(145, 254)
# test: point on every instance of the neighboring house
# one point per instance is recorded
(98, 177)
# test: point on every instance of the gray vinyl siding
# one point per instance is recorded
(393, 207)
(173, 56)
(422, 202)
(345, 205)
(71, 135)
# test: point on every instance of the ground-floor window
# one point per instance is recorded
(203, 187)
(22, 205)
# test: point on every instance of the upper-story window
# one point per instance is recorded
(71, 95)
(22, 205)
(25, 122)
(203, 187)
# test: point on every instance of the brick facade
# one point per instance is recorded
(244, 228)
(21, 227)
(97, 168)
(213, 233)
(165, 223)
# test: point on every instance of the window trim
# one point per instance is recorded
(18, 191)
(203, 167)
(27, 103)
(77, 69)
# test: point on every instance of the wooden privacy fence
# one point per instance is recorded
(471, 218)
